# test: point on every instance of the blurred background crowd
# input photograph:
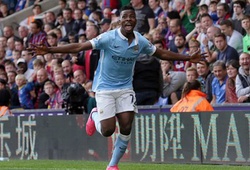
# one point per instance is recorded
(221, 29)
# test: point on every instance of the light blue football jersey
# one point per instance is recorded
(117, 59)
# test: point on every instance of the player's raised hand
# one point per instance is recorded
(38, 49)
(196, 57)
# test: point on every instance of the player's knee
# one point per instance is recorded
(125, 130)
(107, 132)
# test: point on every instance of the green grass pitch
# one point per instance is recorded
(89, 165)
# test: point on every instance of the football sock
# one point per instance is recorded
(120, 148)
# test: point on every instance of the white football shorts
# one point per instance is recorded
(110, 103)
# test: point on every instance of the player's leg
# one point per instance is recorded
(126, 111)
(125, 122)
(102, 119)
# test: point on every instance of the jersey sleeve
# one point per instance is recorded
(148, 47)
(101, 41)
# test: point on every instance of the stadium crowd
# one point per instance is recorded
(221, 29)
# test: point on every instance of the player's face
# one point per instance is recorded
(128, 21)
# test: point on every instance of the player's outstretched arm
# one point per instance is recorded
(169, 55)
(68, 48)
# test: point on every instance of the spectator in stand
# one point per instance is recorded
(60, 81)
(192, 100)
(10, 48)
(48, 27)
(243, 79)
(58, 33)
(115, 15)
(206, 22)
(157, 36)
(37, 35)
(191, 74)
(219, 82)
(5, 102)
(20, 5)
(36, 9)
(19, 44)
(203, 9)
(245, 22)
(79, 25)
(8, 31)
(163, 26)
(174, 29)
(14, 102)
(23, 32)
(165, 8)
(50, 18)
(213, 11)
(155, 6)
(38, 64)
(205, 78)
(52, 39)
(68, 20)
(144, 15)
(223, 12)
(28, 57)
(106, 12)
(180, 43)
(193, 46)
(60, 24)
(9, 65)
(96, 16)
(173, 82)
(234, 38)
(62, 4)
(225, 52)
(188, 14)
(238, 10)
(208, 43)
(105, 24)
(22, 68)
(196, 31)
(48, 64)
(92, 6)
(80, 77)
(3, 42)
(4, 12)
(72, 4)
(41, 97)
(16, 55)
(82, 5)
(55, 100)
(26, 92)
(232, 71)
(247, 9)
(67, 71)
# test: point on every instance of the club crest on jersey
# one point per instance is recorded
(136, 48)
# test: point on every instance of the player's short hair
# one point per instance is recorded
(127, 7)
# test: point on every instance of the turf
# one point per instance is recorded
(88, 165)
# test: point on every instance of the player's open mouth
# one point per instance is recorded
(128, 27)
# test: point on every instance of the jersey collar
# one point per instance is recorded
(125, 38)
